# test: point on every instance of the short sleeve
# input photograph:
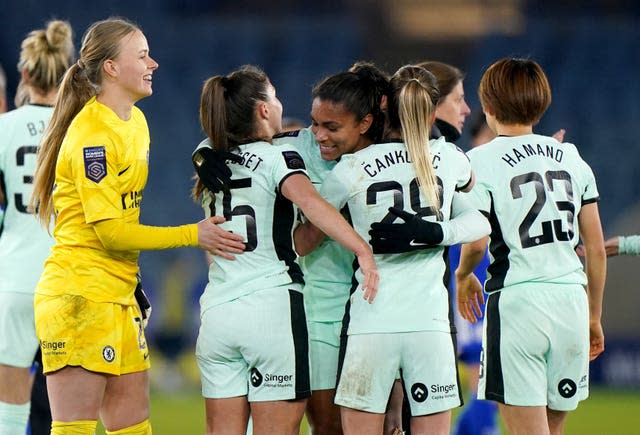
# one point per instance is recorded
(479, 197)
(464, 166)
(458, 164)
(205, 143)
(590, 193)
(287, 161)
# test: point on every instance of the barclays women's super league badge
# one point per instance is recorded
(95, 163)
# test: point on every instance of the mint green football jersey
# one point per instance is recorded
(255, 208)
(411, 295)
(24, 243)
(532, 188)
(328, 269)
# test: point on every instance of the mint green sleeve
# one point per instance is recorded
(629, 245)
(466, 225)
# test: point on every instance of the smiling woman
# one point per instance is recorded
(267, 377)
(127, 77)
(87, 316)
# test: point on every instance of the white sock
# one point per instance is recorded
(14, 418)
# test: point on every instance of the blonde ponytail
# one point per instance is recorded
(412, 102)
(101, 41)
(415, 110)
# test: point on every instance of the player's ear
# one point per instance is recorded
(110, 68)
(365, 123)
(263, 110)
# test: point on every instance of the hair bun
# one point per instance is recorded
(59, 35)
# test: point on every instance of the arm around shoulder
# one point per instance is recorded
(298, 189)
(466, 225)
(323, 215)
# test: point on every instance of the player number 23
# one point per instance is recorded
(551, 229)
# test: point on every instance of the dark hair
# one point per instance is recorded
(360, 90)
(227, 106)
(448, 76)
(516, 91)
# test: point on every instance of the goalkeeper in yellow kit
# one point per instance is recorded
(92, 170)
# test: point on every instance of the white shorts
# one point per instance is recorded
(18, 341)
(256, 345)
(426, 360)
(536, 347)
(324, 347)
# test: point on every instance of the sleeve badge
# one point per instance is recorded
(293, 160)
(95, 163)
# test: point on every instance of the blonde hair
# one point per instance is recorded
(82, 81)
(46, 54)
(414, 95)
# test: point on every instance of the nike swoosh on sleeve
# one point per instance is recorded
(124, 170)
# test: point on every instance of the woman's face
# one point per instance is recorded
(453, 108)
(134, 66)
(337, 130)
(275, 110)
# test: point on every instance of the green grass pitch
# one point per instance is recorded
(610, 412)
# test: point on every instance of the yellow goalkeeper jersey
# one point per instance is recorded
(100, 174)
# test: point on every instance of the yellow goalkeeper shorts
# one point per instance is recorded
(101, 337)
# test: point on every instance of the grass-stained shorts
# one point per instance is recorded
(426, 359)
(18, 342)
(99, 336)
(536, 346)
(256, 345)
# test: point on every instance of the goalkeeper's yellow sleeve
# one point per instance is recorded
(117, 235)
